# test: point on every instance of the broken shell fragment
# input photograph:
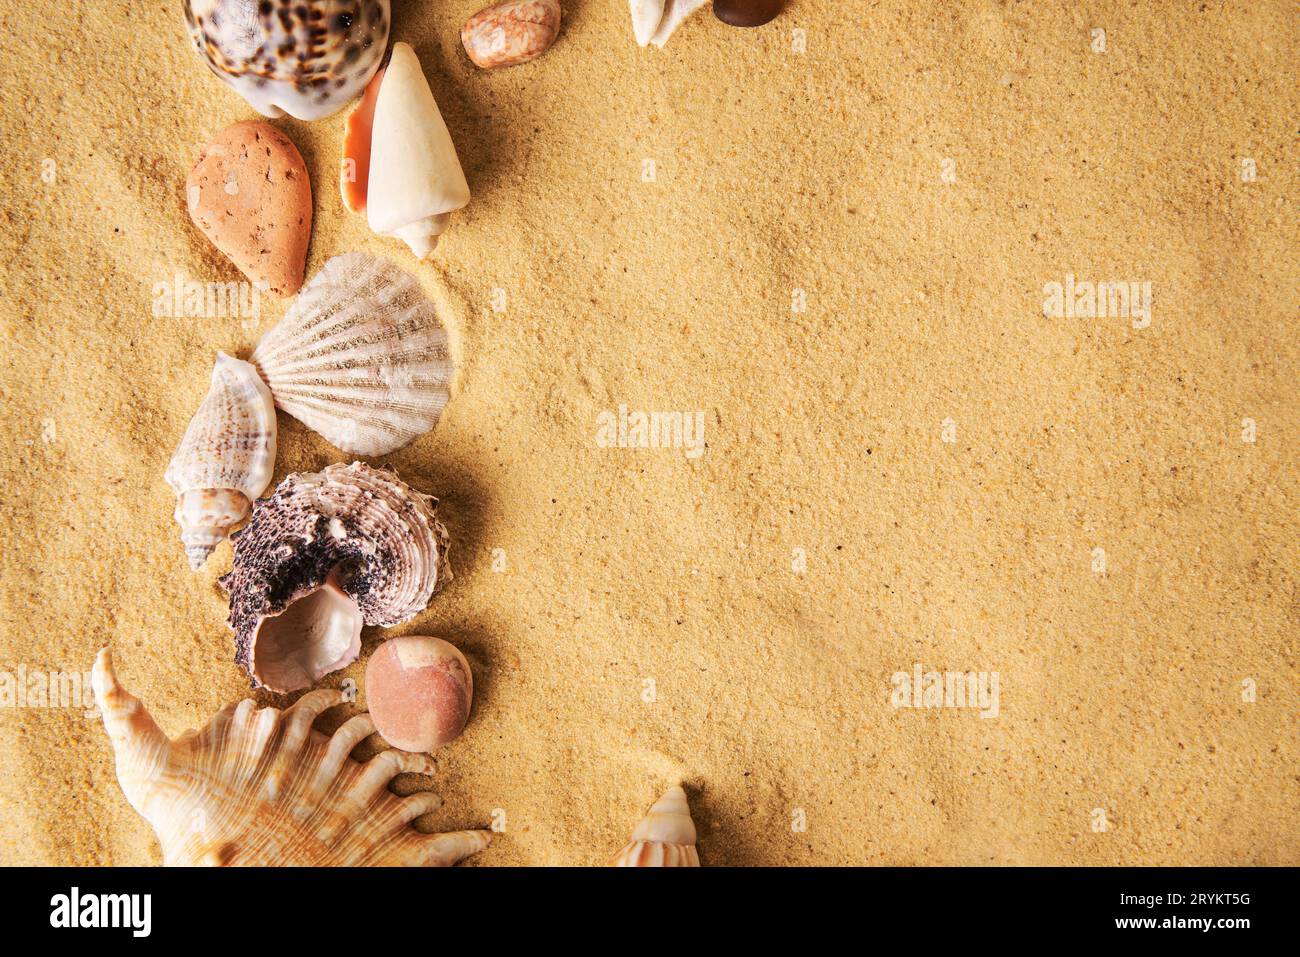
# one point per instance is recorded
(415, 178)
(513, 32)
(419, 690)
(664, 838)
(360, 356)
(323, 549)
(306, 58)
(262, 787)
(225, 459)
(653, 21)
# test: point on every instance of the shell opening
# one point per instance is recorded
(317, 633)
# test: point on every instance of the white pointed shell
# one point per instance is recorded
(646, 15)
(307, 58)
(664, 838)
(653, 21)
(416, 181)
(324, 550)
(360, 356)
(261, 787)
(226, 457)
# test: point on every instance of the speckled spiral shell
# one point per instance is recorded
(263, 788)
(225, 459)
(664, 838)
(307, 58)
(349, 537)
(360, 357)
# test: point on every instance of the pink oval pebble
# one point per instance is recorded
(419, 691)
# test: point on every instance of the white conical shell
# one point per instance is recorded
(415, 175)
(261, 787)
(360, 357)
(664, 838)
(226, 457)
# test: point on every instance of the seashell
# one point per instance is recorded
(226, 457)
(360, 356)
(415, 178)
(262, 787)
(327, 552)
(307, 58)
(653, 21)
(358, 129)
(664, 838)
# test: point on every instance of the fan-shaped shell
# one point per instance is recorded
(664, 838)
(326, 551)
(307, 58)
(360, 356)
(226, 457)
(261, 787)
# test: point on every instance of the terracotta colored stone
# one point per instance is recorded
(250, 195)
(419, 690)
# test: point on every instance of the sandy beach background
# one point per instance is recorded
(840, 261)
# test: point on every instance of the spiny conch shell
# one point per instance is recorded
(307, 58)
(415, 182)
(225, 459)
(327, 552)
(653, 21)
(360, 357)
(664, 838)
(262, 787)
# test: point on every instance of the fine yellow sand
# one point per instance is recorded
(912, 180)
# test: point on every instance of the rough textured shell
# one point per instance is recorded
(262, 787)
(360, 357)
(664, 838)
(226, 457)
(306, 58)
(379, 539)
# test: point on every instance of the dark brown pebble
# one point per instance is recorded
(747, 13)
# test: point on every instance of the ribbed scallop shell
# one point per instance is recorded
(262, 787)
(664, 838)
(360, 357)
(226, 457)
(307, 58)
(349, 529)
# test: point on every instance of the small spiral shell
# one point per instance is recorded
(664, 838)
(225, 459)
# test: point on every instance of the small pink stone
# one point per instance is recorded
(419, 691)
